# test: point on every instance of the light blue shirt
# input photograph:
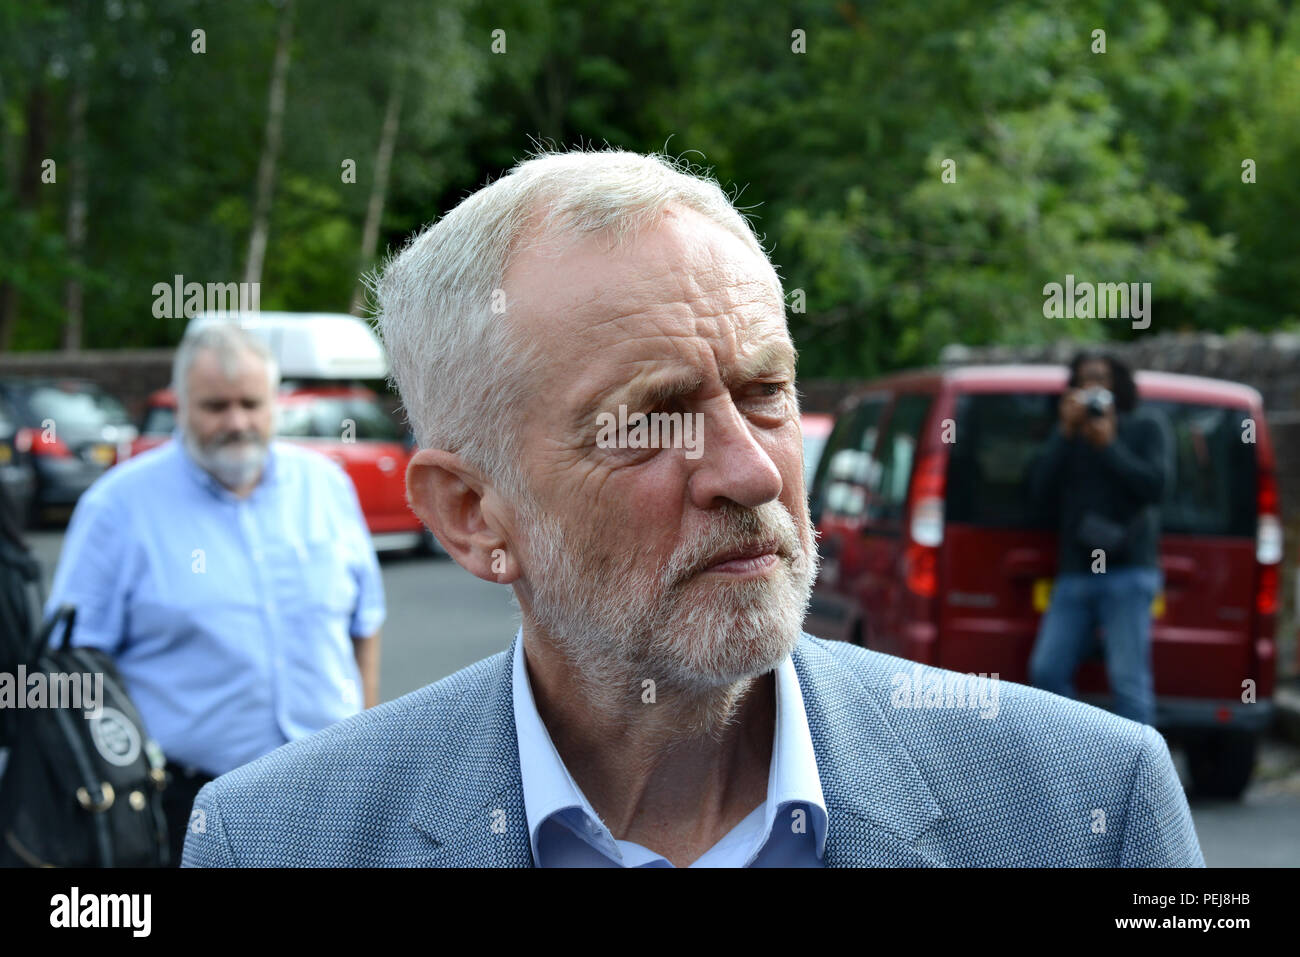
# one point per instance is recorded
(787, 830)
(230, 620)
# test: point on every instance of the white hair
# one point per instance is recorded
(231, 343)
(458, 366)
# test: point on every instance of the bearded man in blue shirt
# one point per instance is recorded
(660, 705)
(230, 576)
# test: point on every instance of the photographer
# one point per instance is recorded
(1101, 475)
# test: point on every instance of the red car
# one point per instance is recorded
(375, 459)
(931, 551)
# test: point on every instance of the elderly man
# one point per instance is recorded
(231, 577)
(660, 705)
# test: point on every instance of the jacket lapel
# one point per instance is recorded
(877, 801)
(470, 808)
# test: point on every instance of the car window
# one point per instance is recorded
(78, 406)
(159, 420)
(338, 417)
(846, 468)
(812, 450)
(1211, 492)
(294, 420)
(896, 455)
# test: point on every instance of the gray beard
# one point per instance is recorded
(232, 467)
(620, 626)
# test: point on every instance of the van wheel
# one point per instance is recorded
(1221, 762)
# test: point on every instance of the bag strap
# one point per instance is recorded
(64, 613)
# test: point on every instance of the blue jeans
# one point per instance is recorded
(1119, 602)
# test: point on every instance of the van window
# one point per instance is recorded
(997, 436)
(846, 469)
(1211, 492)
(896, 456)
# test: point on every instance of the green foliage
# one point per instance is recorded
(1116, 166)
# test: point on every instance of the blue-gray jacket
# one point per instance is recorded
(432, 779)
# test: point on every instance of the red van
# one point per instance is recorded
(932, 552)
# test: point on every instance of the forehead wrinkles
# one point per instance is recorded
(676, 306)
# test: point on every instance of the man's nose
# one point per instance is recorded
(236, 419)
(733, 465)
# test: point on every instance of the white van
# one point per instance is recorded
(313, 345)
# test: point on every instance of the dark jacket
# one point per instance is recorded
(1122, 484)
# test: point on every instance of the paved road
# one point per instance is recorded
(441, 619)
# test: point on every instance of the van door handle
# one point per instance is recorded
(1179, 570)
(1027, 564)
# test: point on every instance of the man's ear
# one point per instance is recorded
(446, 493)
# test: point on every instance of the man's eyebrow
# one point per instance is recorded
(665, 387)
(774, 357)
(657, 390)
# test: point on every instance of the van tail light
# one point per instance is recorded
(1266, 597)
(921, 556)
(1268, 561)
(1268, 545)
(34, 441)
(1268, 540)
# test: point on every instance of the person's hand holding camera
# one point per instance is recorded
(1099, 431)
(1098, 417)
(1072, 412)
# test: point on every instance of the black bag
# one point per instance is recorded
(20, 601)
(80, 789)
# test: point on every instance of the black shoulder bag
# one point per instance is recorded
(82, 787)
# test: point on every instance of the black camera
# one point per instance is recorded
(1097, 401)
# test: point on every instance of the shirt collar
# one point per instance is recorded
(205, 478)
(549, 788)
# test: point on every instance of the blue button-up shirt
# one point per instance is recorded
(787, 830)
(230, 620)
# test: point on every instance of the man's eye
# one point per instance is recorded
(767, 391)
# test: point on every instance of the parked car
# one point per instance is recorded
(348, 424)
(932, 552)
(816, 429)
(73, 432)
